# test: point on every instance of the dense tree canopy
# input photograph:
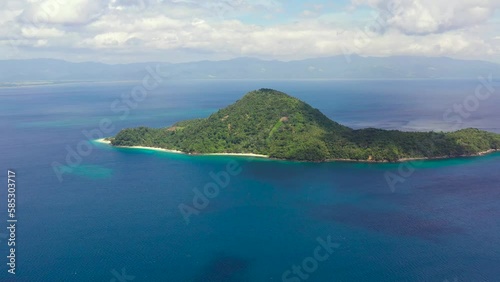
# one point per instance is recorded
(272, 123)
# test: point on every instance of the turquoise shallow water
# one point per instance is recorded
(116, 214)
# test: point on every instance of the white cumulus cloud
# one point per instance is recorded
(432, 16)
(185, 30)
(61, 12)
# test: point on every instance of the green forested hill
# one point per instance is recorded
(272, 123)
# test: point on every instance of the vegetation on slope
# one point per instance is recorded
(272, 123)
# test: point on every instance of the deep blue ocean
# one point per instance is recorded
(114, 214)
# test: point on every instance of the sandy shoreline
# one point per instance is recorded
(104, 141)
(236, 154)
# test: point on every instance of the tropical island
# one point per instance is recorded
(270, 123)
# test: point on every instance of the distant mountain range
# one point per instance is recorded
(336, 67)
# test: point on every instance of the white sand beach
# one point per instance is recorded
(237, 154)
(104, 141)
(152, 148)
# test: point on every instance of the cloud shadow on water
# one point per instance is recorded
(397, 223)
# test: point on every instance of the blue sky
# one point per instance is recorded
(116, 31)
